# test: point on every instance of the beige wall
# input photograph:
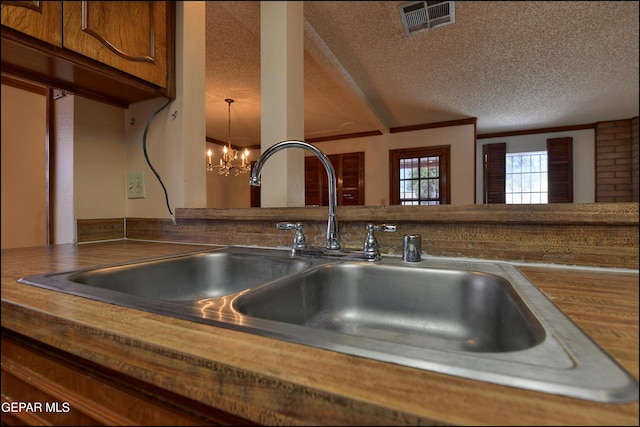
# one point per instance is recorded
(24, 181)
(227, 191)
(98, 144)
(234, 191)
(376, 149)
(99, 160)
(108, 141)
(176, 140)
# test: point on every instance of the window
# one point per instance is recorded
(524, 186)
(419, 176)
(420, 181)
(526, 178)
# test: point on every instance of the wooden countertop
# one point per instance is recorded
(275, 382)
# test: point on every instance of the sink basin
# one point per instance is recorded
(482, 321)
(446, 309)
(478, 320)
(190, 277)
(172, 285)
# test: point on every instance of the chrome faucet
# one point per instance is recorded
(333, 239)
(370, 248)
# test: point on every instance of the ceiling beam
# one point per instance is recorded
(325, 57)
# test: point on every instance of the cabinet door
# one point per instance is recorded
(349, 168)
(315, 182)
(39, 19)
(351, 190)
(127, 35)
(63, 389)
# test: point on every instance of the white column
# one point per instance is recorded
(191, 63)
(282, 108)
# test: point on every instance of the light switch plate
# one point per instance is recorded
(135, 185)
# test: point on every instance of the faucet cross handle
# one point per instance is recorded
(299, 239)
(370, 247)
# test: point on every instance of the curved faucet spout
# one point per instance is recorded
(333, 239)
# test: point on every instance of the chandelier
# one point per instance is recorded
(230, 155)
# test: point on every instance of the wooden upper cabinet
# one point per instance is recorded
(39, 19)
(117, 52)
(127, 35)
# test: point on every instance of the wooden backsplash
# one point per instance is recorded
(600, 234)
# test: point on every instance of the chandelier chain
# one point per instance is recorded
(229, 101)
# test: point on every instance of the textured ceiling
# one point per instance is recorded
(512, 65)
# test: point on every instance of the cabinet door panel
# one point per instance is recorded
(352, 175)
(39, 19)
(130, 36)
(73, 391)
(349, 168)
(314, 183)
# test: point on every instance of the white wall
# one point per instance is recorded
(583, 148)
(63, 223)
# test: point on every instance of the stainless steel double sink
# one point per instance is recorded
(478, 320)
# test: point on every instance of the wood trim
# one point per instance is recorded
(622, 214)
(36, 6)
(170, 34)
(344, 136)
(91, 230)
(50, 145)
(24, 85)
(32, 59)
(536, 131)
(461, 122)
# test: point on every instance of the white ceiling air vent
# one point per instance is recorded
(422, 15)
